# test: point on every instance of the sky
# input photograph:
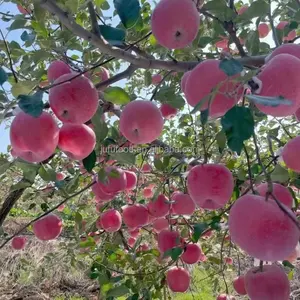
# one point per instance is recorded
(15, 35)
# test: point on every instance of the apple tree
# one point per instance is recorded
(160, 136)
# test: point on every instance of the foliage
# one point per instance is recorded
(245, 140)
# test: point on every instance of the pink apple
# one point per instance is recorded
(47, 228)
(141, 122)
(77, 141)
(74, 101)
(56, 69)
(34, 139)
(18, 242)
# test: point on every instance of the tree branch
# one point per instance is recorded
(9, 202)
(95, 26)
(230, 28)
(104, 47)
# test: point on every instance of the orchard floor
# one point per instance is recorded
(42, 271)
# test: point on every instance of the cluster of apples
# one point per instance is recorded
(180, 31)
(209, 186)
(268, 283)
(257, 226)
(34, 139)
(283, 60)
(73, 102)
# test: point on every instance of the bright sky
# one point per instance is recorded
(15, 35)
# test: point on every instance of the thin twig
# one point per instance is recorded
(222, 262)
(274, 33)
(9, 57)
(249, 169)
(287, 211)
(158, 86)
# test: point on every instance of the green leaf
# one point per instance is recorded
(128, 11)
(176, 101)
(89, 242)
(90, 161)
(231, 66)
(148, 78)
(31, 206)
(18, 23)
(103, 278)
(258, 8)
(169, 96)
(174, 253)
(72, 5)
(105, 6)
(27, 37)
(4, 165)
(116, 95)
(23, 184)
(44, 207)
(78, 218)
(3, 76)
(123, 157)
(204, 41)
(114, 36)
(30, 174)
(241, 175)
(252, 42)
(22, 87)
(47, 173)
(39, 12)
(204, 116)
(280, 174)
(99, 2)
(73, 184)
(198, 230)
(166, 161)
(219, 8)
(158, 164)
(114, 173)
(286, 263)
(102, 176)
(221, 140)
(94, 275)
(291, 274)
(32, 105)
(118, 291)
(238, 125)
(269, 101)
(100, 127)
